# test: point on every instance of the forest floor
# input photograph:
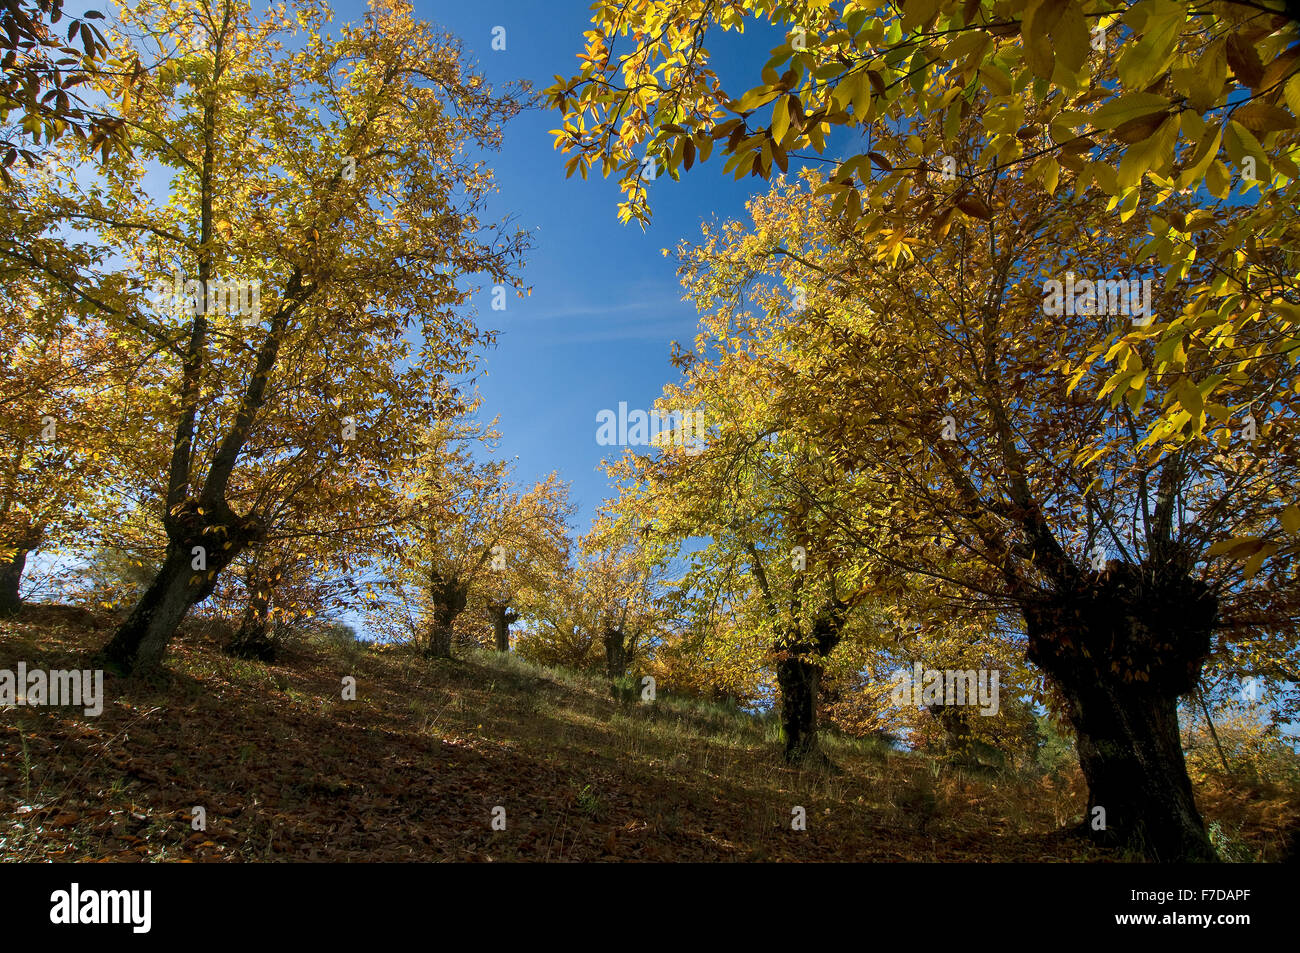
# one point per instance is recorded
(413, 769)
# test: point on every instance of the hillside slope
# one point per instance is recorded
(413, 769)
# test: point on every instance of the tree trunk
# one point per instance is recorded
(11, 576)
(798, 677)
(502, 619)
(1132, 757)
(140, 642)
(1122, 648)
(253, 640)
(615, 652)
(448, 597)
(438, 641)
(24, 538)
(955, 723)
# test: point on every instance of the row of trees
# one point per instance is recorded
(237, 316)
(240, 337)
(915, 450)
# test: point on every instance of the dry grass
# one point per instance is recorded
(287, 770)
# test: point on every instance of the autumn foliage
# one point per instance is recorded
(997, 374)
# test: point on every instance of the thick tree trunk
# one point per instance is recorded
(139, 643)
(11, 576)
(1132, 757)
(253, 640)
(615, 653)
(798, 677)
(24, 538)
(1122, 648)
(448, 597)
(438, 640)
(502, 619)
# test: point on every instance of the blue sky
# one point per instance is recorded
(605, 303)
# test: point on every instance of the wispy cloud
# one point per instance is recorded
(659, 304)
(664, 331)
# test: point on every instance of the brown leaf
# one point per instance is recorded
(1139, 129)
(974, 206)
(1244, 60)
(1261, 118)
(942, 223)
(1280, 68)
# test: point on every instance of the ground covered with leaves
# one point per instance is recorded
(285, 769)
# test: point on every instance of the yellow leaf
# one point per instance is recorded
(1128, 107)
(1255, 562)
(780, 118)
(918, 13)
(1146, 59)
(965, 43)
(1036, 26)
(1217, 179)
(1149, 155)
(1072, 39)
(1190, 397)
(998, 83)
(1208, 76)
(1201, 159)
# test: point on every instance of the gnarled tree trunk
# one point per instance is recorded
(139, 643)
(438, 640)
(1122, 646)
(448, 597)
(798, 679)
